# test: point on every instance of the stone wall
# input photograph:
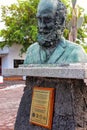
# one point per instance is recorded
(70, 107)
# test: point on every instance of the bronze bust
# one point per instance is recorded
(51, 47)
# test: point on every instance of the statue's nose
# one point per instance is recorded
(42, 24)
(41, 27)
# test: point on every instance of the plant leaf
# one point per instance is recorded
(74, 3)
(79, 22)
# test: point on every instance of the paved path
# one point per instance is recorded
(9, 102)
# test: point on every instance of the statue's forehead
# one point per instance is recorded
(45, 11)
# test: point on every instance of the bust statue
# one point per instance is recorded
(51, 47)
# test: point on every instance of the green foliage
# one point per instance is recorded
(81, 22)
(21, 24)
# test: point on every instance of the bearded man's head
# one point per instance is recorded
(51, 15)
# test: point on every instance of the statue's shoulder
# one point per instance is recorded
(68, 44)
(74, 46)
(32, 53)
(77, 53)
(32, 47)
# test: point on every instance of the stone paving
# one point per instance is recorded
(10, 97)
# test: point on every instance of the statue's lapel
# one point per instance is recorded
(42, 55)
(57, 54)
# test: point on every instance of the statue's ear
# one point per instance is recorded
(62, 20)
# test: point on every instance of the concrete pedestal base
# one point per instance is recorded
(70, 107)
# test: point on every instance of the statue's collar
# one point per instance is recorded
(62, 42)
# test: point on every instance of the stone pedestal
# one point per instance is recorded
(70, 105)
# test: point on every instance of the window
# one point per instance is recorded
(17, 63)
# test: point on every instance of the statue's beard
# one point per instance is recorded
(49, 39)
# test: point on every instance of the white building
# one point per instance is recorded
(10, 58)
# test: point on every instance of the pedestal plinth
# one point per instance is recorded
(70, 101)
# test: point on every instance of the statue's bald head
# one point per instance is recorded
(47, 5)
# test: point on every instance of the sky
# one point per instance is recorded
(82, 3)
(7, 2)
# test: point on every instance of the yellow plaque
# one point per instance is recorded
(42, 106)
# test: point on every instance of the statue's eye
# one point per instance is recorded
(39, 18)
(47, 20)
(44, 19)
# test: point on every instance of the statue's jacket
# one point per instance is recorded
(65, 52)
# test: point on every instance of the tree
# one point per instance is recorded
(20, 22)
(76, 23)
